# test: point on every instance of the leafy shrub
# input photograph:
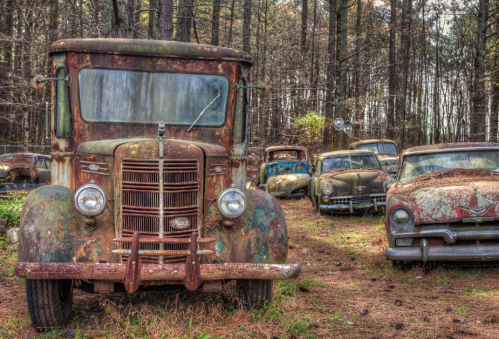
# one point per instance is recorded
(10, 209)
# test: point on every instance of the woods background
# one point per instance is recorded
(414, 71)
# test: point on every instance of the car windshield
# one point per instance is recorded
(380, 148)
(416, 165)
(298, 155)
(329, 164)
(120, 96)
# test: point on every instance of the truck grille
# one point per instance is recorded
(155, 192)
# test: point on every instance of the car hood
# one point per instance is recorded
(442, 203)
(355, 181)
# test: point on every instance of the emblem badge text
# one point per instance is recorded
(180, 223)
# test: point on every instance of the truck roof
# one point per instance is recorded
(150, 48)
(451, 147)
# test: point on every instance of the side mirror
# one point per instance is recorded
(36, 83)
(263, 90)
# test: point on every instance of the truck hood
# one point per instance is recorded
(108, 147)
(355, 181)
(442, 203)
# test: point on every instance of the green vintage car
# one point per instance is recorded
(348, 182)
(385, 150)
(285, 171)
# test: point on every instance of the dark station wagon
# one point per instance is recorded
(148, 185)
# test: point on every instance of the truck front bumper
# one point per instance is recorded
(133, 273)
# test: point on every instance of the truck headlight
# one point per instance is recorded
(401, 218)
(231, 203)
(90, 200)
(327, 189)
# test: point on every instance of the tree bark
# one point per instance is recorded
(330, 76)
(247, 26)
(479, 113)
(215, 23)
(231, 23)
(185, 20)
(153, 6)
(166, 19)
(357, 70)
(341, 70)
(304, 25)
(392, 71)
(122, 19)
(404, 54)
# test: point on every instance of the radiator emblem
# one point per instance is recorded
(360, 189)
(180, 223)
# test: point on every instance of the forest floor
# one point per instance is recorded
(346, 290)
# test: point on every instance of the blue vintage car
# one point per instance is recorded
(286, 171)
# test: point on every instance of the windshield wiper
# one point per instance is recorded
(200, 114)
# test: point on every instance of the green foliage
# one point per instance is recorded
(312, 124)
(10, 209)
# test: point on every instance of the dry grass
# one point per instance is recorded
(346, 290)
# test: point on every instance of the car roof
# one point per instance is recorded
(150, 48)
(451, 147)
(371, 141)
(345, 153)
(286, 148)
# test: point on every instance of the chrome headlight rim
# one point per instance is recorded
(410, 222)
(222, 195)
(87, 213)
(327, 189)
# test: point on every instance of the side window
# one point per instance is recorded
(62, 117)
(40, 163)
(48, 163)
(239, 125)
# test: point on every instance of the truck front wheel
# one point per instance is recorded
(256, 293)
(49, 302)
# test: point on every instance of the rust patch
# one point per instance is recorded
(450, 177)
(22, 166)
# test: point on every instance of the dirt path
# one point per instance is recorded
(346, 290)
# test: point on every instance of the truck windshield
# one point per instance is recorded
(329, 164)
(416, 165)
(380, 148)
(150, 98)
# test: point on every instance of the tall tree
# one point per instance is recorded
(153, 7)
(247, 26)
(304, 25)
(405, 46)
(392, 70)
(122, 24)
(341, 109)
(185, 17)
(479, 112)
(330, 76)
(215, 23)
(166, 20)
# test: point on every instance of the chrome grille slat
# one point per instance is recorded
(147, 206)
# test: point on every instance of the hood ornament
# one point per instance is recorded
(161, 140)
(360, 189)
(477, 211)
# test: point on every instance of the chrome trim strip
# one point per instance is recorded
(443, 253)
(340, 207)
(95, 172)
(450, 235)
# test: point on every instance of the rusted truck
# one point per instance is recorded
(385, 150)
(348, 182)
(445, 205)
(286, 171)
(148, 175)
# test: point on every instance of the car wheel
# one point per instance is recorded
(49, 302)
(255, 293)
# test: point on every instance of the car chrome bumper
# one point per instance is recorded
(134, 273)
(443, 253)
(351, 207)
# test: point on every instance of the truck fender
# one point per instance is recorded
(258, 236)
(51, 230)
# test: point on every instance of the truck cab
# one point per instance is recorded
(148, 178)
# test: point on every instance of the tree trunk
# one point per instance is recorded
(153, 6)
(392, 71)
(231, 23)
(478, 118)
(247, 26)
(304, 24)
(215, 23)
(404, 55)
(357, 70)
(122, 19)
(330, 76)
(341, 69)
(166, 20)
(185, 20)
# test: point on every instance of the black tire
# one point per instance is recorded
(49, 302)
(255, 293)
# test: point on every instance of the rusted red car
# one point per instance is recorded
(445, 204)
(148, 176)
